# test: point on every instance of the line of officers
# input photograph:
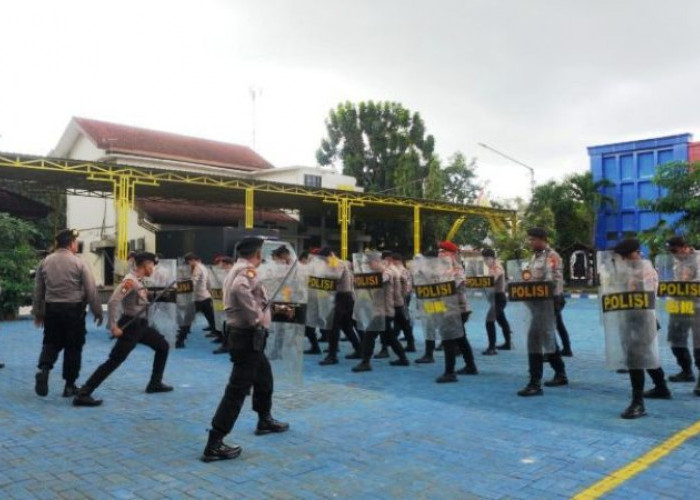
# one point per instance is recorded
(64, 287)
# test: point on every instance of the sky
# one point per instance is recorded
(539, 80)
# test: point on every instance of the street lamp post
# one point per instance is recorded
(532, 170)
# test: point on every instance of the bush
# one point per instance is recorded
(17, 259)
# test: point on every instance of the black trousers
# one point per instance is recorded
(206, 307)
(387, 337)
(403, 324)
(64, 330)
(250, 369)
(561, 327)
(137, 332)
(342, 320)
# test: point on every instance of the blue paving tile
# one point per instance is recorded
(390, 433)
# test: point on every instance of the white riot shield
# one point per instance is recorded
(514, 270)
(216, 284)
(369, 292)
(162, 314)
(533, 305)
(437, 298)
(185, 295)
(480, 289)
(679, 294)
(627, 302)
(285, 344)
(323, 276)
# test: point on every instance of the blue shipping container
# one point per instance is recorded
(630, 166)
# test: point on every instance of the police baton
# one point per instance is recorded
(279, 288)
(147, 307)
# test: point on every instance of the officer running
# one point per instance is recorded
(64, 285)
(130, 329)
(247, 319)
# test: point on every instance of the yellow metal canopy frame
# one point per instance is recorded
(123, 181)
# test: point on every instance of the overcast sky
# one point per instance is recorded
(539, 80)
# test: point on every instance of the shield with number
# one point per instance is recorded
(161, 285)
(322, 283)
(533, 306)
(285, 344)
(369, 292)
(216, 284)
(437, 297)
(185, 295)
(627, 305)
(679, 294)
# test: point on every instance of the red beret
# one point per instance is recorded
(448, 246)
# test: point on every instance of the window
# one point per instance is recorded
(312, 180)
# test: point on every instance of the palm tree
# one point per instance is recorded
(592, 197)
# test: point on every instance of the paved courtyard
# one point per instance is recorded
(390, 433)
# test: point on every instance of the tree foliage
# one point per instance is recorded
(17, 258)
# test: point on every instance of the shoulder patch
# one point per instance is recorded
(127, 285)
(251, 273)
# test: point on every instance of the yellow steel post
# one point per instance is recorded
(124, 191)
(455, 227)
(249, 208)
(343, 221)
(416, 229)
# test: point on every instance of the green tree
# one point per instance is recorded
(681, 183)
(378, 143)
(17, 258)
(591, 198)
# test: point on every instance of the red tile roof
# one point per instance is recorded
(117, 138)
(202, 214)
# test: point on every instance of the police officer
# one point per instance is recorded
(449, 249)
(247, 318)
(64, 285)
(545, 264)
(203, 301)
(130, 329)
(496, 312)
(639, 342)
(386, 307)
(685, 269)
(342, 313)
(402, 321)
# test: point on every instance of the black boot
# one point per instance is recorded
(410, 346)
(506, 345)
(686, 363)
(660, 389)
(355, 355)
(157, 386)
(70, 390)
(84, 398)
(400, 362)
(429, 350)
(268, 425)
(696, 391)
(180, 339)
(446, 378)
(41, 385)
(331, 359)
(468, 356)
(635, 409)
(559, 371)
(217, 450)
(533, 388)
(491, 334)
(364, 366)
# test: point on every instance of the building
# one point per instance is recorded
(630, 166)
(93, 140)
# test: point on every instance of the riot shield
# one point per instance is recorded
(533, 305)
(285, 343)
(514, 270)
(479, 284)
(627, 302)
(323, 275)
(162, 314)
(437, 297)
(185, 295)
(679, 294)
(216, 284)
(369, 292)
